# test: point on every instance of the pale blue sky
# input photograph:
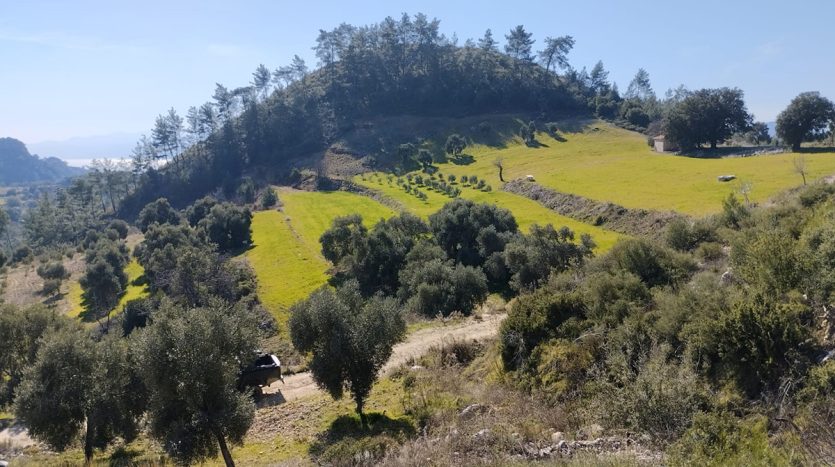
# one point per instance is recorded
(81, 68)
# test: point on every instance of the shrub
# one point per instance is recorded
(119, 226)
(21, 254)
(658, 396)
(717, 439)
(246, 190)
(815, 194)
(709, 251)
(51, 286)
(611, 297)
(430, 284)
(533, 318)
(268, 198)
(159, 212)
(760, 342)
(552, 128)
(654, 265)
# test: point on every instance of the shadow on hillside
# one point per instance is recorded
(463, 159)
(536, 144)
(732, 151)
(557, 136)
(348, 427)
(270, 400)
(819, 150)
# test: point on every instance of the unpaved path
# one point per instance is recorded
(301, 385)
(416, 344)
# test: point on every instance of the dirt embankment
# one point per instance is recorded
(610, 216)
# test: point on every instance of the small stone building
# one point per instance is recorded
(663, 145)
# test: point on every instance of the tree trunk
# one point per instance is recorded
(224, 449)
(796, 147)
(713, 145)
(363, 419)
(88, 441)
(501, 179)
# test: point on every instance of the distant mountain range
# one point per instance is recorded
(17, 165)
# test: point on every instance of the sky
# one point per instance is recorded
(105, 69)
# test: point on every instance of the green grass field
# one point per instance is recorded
(286, 254)
(527, 212)
(135, 290)
(616, 165)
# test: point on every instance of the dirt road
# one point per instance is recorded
(301, 384)
(416, 344)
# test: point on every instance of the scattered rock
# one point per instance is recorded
(557, 437)
(726, 278)
(483, 435)
(590, 432)
(472, 410)
(726, 178)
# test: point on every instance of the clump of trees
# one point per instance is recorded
(104, 281)
(707, 116)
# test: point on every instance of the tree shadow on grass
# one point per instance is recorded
(816, 150)
(557, 136)
(463, 159)
(349, 428)
(536, 144)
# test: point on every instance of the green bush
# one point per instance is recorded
(656, 395)
(611, 297)
(22, 254)
(653, 264)
(760, 342)
(815, 194)
(119, 226)
(534, 318)
(268, 198)
(709, 251)
(720, 439)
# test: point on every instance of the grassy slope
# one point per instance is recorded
(527, 212)
(286, 254)
(612, 164)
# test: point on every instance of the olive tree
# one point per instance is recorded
(78, 385)
(350, 339)
(190, 360)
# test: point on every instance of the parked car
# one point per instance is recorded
(264, 371)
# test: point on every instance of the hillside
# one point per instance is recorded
(18, 166)
(597, 160)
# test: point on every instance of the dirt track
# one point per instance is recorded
(302, 384)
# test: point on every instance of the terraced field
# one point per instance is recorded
(527, 212)
(606, 163)
(286, 253)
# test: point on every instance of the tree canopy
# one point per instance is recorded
(708, 116)
(807, 117)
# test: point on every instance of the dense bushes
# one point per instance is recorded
(533, 319)
(431, 284)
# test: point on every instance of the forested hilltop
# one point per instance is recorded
(396, 67)
(18, 166)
